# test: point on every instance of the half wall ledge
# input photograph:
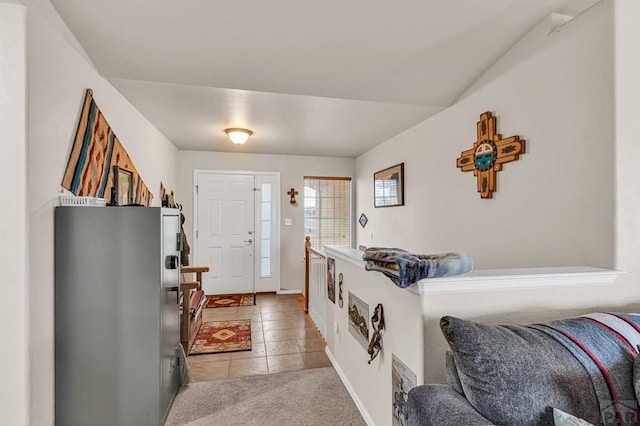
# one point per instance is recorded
(497, 279)
(518, 279)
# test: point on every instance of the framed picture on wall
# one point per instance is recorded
(402, 381)
(123, 182)
(359, 320)
(388, 187)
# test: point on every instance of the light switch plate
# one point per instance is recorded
(288, 222)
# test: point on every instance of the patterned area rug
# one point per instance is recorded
(222, 336)
(230, 300)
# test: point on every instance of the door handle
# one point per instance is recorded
(248, 241)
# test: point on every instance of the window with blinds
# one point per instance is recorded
(327, 210)
(266, 223)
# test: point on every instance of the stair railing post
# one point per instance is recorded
(307, 255)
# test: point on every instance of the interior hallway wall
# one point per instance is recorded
(572, 198)
(555, 205)
(292, 170)
(14, 261)
(627, 148)
(59, 73)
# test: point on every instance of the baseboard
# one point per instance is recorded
(285, 291)
(352, 392)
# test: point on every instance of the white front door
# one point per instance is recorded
(225, 232)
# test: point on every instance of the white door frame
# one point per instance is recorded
(260, 283)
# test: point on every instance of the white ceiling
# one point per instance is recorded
(330, 77)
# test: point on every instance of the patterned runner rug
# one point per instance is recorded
(230, 300)
(222, 336)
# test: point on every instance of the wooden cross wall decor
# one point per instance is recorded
(292, 193)
(488, 154)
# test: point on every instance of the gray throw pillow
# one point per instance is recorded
(511, 374)
(453, 380)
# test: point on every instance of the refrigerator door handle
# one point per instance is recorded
(177, 290)
(179, 241)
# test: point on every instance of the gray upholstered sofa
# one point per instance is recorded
(518, 374)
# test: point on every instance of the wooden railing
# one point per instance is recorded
(315, 286)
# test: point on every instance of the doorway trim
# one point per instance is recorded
(261, 283)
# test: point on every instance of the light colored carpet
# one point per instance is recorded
(311, 397)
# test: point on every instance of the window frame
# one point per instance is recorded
(349, 203)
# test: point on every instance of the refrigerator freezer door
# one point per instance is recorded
(170, 332)
(116, 320)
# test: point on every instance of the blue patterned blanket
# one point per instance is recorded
(405, 269)
(606, 345)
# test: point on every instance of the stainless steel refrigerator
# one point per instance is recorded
(117, 326)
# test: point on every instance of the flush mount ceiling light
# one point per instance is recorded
(238, 135)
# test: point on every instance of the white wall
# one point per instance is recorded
(370, 384)
(14, 305)
(571, 199)
(553, 207)
(627, 148)
(292, 168)
(59, 74)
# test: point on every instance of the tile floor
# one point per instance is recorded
(282, 337)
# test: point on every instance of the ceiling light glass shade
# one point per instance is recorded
(237, 135)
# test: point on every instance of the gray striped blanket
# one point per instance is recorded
(606, 344)
(405, 269)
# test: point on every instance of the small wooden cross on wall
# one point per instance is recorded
(292, 192)
(488, 154)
